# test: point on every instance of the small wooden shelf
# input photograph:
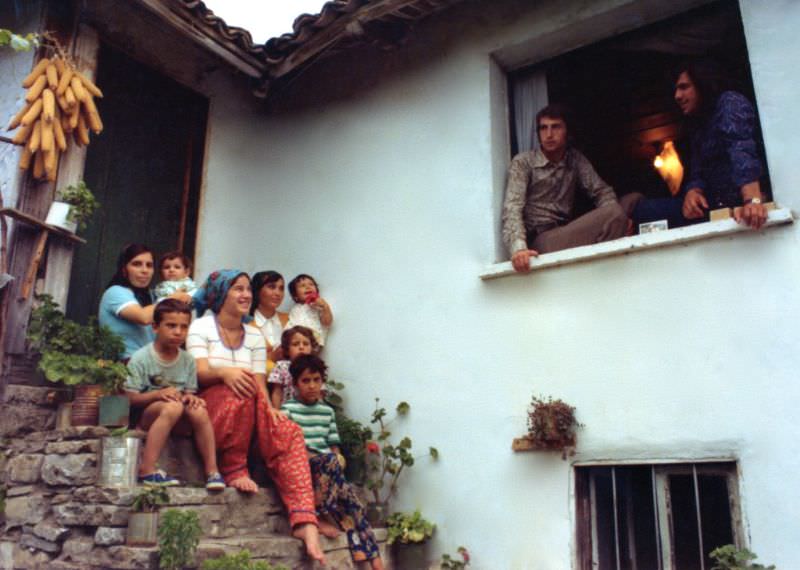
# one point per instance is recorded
(44, 232)
(31, 221)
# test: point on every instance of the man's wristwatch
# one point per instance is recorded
(752, 201)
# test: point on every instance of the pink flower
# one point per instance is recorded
(372, 447)
(464, 554)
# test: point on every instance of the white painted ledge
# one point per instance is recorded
(636, 243)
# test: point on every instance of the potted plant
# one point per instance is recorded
(353, 436)
(143, 520)
(178, 537)
(729, 557)
(386, 462)
(72, 208)
(452, 563)
(551, 425)
(83, 357)
(119, 458)
(409, 533)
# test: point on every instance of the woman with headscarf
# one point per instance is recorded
(231, 370)
(127, 306)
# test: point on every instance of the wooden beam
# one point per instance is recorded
(331, 34)
(204, 35)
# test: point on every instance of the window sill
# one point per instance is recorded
(636, 243)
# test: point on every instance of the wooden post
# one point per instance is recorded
(35, 199)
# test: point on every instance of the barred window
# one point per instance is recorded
(648, 517)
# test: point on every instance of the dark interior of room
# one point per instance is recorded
(620, 92)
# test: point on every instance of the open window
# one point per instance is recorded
(620, 91)
(660, 517)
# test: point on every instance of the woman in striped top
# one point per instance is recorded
(231, 370)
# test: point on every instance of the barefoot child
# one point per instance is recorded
(309, 309)
(176, 270)
(162, 379)
(295, 342)
(333, 495)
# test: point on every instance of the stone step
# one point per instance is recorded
(286, 550)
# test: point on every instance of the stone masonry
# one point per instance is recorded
(56, 517)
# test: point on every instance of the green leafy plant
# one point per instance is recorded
(729, 557)
(408, 528)
(239, 561)
(82, 203)
(353, 436)
(451, 563)
(18, 42)
(552, 423)
(386, 461)
(149, 499)
(178, 536)
(72, 353)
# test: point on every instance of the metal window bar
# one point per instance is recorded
(656, 525)
(616, 521)
(699, 517)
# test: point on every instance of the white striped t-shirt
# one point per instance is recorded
(204, 341)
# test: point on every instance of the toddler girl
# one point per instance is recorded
(310, 310)
(334, 497)
(295, 342)
(176, 270)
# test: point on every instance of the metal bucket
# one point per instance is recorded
(142, 529)
(118, 461)
(114, 411)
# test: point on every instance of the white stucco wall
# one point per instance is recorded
(388, 199)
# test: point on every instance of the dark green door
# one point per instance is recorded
(145, 170)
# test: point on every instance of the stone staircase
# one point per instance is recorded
(56, 517)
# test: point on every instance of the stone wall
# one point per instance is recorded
(57, 517)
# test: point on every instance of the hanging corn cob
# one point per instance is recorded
(59, 102)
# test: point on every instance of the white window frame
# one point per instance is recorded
(661, 472)
(586, 29)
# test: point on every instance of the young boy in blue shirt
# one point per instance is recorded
(162, 381)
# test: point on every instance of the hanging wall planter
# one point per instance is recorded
(551, 426)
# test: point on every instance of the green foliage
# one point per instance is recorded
(178, 536)
(450, 563)
(82, 202)
(149, 499)
(386, 461)
(407, 528)
(72, 353)
(353, 436)
(332, 396)
(239, 561)
(17, 42)
(729, 557)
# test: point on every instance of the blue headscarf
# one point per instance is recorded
(212, 293)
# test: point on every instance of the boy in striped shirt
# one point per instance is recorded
(333, 495)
